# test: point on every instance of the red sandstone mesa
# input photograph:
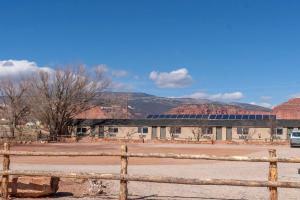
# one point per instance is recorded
(288, 110)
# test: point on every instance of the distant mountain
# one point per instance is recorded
(248, 106)
(217, 108)
(288, 110)
(141, 104)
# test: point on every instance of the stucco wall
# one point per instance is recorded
(189, 133)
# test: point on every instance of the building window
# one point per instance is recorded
(112, 131)
(279, 131)
(81, 131)
(143, 130)
(175, 131)
(207, 131)
(242, 131)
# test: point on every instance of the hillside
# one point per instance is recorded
(216, 108)
(141, 104)
(288, 110)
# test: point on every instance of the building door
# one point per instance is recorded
(163, 132)
(101, 132)
(154, 132)
(229, 133)
(219, 133)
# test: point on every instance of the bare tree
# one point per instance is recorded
(272, 130)
(14, 106)
(198, 133)
(251, 134)
(59, 96)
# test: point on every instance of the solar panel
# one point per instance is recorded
(219, 117)
(179, 116)
(266, 117)
(231, 116)
(205, 116)
(259, 117)
(252, 117)
(238, 117)
(212, 116)
(245, 117)
(198, 116)
(225, 116)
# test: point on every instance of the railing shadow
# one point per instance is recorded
(164, 197)
(176, 197)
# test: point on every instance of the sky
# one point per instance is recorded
(242, 51)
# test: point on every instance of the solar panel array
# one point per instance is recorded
(214, 117)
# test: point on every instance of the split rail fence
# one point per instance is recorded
(272, 183)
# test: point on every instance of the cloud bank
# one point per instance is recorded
(263, 104)
(265, 101)
(233, 96)
(14, 68)
(119, 73)
(175, 79)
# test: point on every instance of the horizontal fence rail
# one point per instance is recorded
(272, 183)
(156, 155)
(157, 179)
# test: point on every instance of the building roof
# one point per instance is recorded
(186, 122)
(292, 123)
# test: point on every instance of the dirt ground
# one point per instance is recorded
(70, 189)
(218, 150)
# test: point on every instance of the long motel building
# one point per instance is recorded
(189, 127)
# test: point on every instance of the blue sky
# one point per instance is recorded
(238, 50)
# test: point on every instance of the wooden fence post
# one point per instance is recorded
(273, 175)
(5, 178)
(123, 183)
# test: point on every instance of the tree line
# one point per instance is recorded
(50, 97)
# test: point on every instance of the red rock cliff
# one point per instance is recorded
(213, 109)
(288, 110)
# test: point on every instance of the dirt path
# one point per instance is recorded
(219, 150)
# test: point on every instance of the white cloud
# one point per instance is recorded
(265, 98)
(102, 68)
(263, 104)
(175, 79)
(265, 101)
(119, 73)
(233, 96)
(297, 95)
(117, 86)
(14, 68)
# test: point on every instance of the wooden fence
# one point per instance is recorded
(272, 182)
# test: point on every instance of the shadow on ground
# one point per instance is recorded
(160, 197)
(156, 197)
